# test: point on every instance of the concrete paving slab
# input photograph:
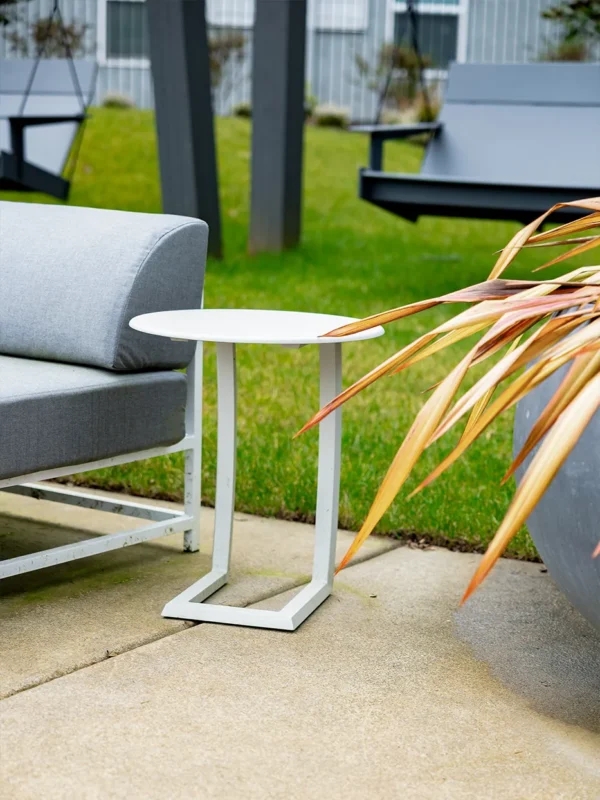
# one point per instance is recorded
(63, 618)
(375, 696)
(540, 646)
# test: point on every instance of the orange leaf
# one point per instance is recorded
(590, 244)
(582, 369)
(548, 460)
(507, 365)
(509, 397)
(510, 252)
(575, 226)
(383, 369)
(488, 290)
(408, 454)
(562, 242)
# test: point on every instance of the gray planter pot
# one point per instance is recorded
(566, 524)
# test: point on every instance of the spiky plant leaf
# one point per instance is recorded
(548, 460)
(542, 325)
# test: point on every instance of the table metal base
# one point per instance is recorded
(287, 619)
(189, 604)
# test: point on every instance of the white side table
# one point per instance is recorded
(292, 329)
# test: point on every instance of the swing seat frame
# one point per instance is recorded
(50, 96)
(512, 140)
(18, 174)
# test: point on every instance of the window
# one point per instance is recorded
(230, 13)
(323, 15)
(441, 26)
(438, 37)
(123, 26)
(338, 15)
(122, 33)
(126, 29)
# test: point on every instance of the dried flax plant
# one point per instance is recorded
(535, 327)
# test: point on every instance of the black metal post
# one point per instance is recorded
(183, 106)
(277, 124)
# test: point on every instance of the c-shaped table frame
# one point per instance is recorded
(189, 604)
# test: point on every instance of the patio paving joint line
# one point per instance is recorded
(183, 625)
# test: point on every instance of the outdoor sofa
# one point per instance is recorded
(79, 389)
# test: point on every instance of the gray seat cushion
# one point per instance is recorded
(72, 279)
(54, 415)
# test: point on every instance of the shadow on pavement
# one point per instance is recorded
(537, 644)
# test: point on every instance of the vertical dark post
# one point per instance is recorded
(183, 106)
(277, 124)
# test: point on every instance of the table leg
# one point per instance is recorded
(189, 605)
(330, 445)
(328, 492)
(186, 605)
(226, 455)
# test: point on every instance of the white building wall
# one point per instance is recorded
(497, 31)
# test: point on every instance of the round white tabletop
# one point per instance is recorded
(248, 326)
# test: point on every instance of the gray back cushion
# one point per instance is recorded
(72, 278)
(520, 123)
(52, 93)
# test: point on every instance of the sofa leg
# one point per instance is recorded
(191, 538)
(193, 456)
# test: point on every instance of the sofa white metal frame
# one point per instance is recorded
(190, 603)
(163, 521)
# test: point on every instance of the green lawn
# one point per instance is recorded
(354, 259)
